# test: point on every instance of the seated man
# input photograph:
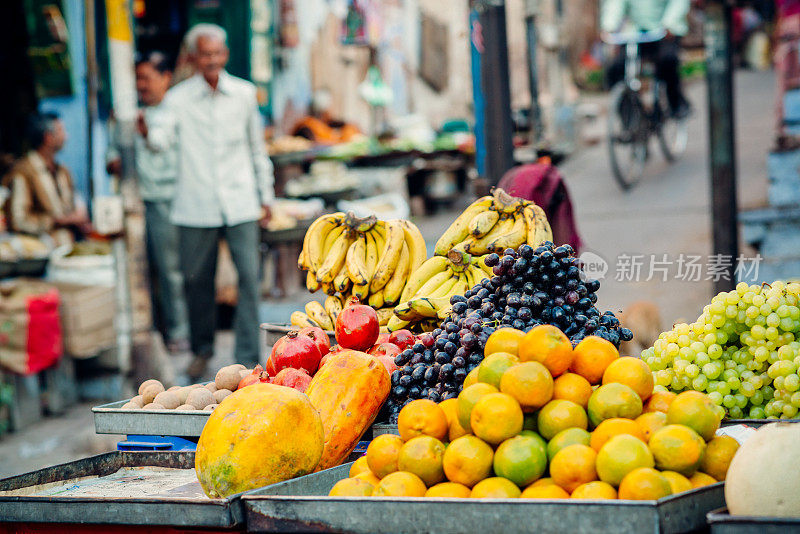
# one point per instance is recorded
(42, 199)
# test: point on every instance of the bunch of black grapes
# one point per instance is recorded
(530, 286)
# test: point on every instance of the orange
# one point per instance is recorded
(382, 454)
(677, 448)
(358, 467)
(521, 459)
(491, 369)
(422, 417)
(650, 422)
(351, 487)
(467, 399)
(573, 466)
(472, 377)
(400, 484)
(572, 387)
(565, 438)
(495, 418)
(614, 427)
(591, 358)
(699, 480)
(370, 477)
(695, 410)
(448, 489)
(614, 400)
(619, 456)
(504, 339)
(644, 484)
(550, 491)
(547, 481)
(719, 453)
(632, 372)
(558, 415)
(423, 457)
(495, 488)
(677, 481)
(595, 490)
(450, 409)
(529, 383)
(549, 346)
(467, 460)
(659, 401)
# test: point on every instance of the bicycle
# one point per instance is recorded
(632, 120)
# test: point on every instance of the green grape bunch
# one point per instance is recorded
(743, 351)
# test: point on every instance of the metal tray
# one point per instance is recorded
(723, 523)
(183, 506)
(756, 422)
(384, 428)
(302, 505)
(111, 419)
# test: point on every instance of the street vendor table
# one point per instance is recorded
(287, 245)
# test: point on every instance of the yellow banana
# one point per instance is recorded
(395, 323)
(459, 230)
(384, 315)
(389, 256)
(480, 263)
(424, 306)
(335, 258)
(302, 320)
(327, 288)
(406, 313)
(356, 260)
(478, 273)
(331, 238)
(317, 312)
(482, 223)
(422, 274)
(505, 203)
(333, 306)
(513, 238)
(372, 253)
(311, 282)
(538, 227)
(342, 282)
(302, 261)
(314, 240)
(361, 291)
(394, 287)
(376, 300)
(469, 276)
(480, 245)
(433, 283)
(445, 288)
(416, 245)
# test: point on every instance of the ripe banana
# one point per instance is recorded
(376, 300)
(515, 237)
(406, 313)
(314, 240)
(317, 313)
(444, 289)
(478, 273)
(424, 306)
(434, 283)
(459, 230)
(335, 258)
(356, 261)
(389, 256)
(395, 323)
(301, 320)
(372, 251)
(480, 263)
(341, 283)
(327, 288)
(480, 245)
(422, 274)
(482, 223)
(470, 276)
(394, 287)
(384, 315)
(311, 282)
(361, 291)
(538, 227)
(333, 306)
(416, 245)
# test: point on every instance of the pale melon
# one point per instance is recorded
(764, 476)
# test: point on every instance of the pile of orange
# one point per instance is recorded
(539, 419)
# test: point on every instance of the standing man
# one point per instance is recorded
(225, 186)
(157, 174)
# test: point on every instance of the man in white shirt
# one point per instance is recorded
(225, 186)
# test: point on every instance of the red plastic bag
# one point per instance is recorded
(30, 328)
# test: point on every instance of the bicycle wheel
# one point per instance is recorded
(627, 136)
(673, 134)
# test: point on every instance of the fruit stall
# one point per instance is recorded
(480, 389)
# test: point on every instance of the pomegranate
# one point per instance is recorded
(402, 338)
(383, 337)
(388, 363)
(357, 326)
(319, 337)
(294, 350)
(257, 376)
(385, 349)
(292, 378)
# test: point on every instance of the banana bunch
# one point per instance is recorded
(426, 298)
(346, 255)
(494, 223)
(324, 314)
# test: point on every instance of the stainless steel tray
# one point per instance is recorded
(49, 495)
(302, 505)
(756, 423)
(723, 523)
(384, 428)
(111, 419)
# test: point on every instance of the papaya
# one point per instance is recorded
(348, 391)
(258, 435)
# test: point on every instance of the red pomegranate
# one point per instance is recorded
(292, 378)
(319, 337)
(388, 363)
(357, 326)
(258, 375)
(383, 337)
(385, 349)
(402, 338)
(294, 350)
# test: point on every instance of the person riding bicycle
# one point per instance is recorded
(649, 15)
